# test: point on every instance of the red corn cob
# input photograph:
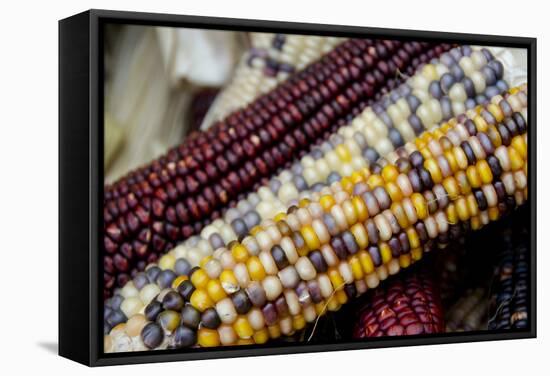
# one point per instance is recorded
(405, 305)
(153, 208)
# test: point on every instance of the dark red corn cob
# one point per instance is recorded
(405, 305)
(155, 207)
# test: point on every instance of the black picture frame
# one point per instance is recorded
(81, 182)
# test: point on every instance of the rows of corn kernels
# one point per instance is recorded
(329, 167)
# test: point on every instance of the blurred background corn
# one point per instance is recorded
(270, 60)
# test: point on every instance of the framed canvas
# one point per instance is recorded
(234, 187)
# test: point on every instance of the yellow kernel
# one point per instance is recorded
(518, 143)
(460, 158)
(229, 281)
(208, 337)
(333, 305)
(414, 240)
(451, 187)
(404, 261)
(484, 171)
(341, 297)
(472, 205)
(349, 212)
(394, 191)
(240, 253)
(356, 268)
(426, 153)
(242, 328)
(360, 234)
(366, 262)
(356, 177)
(473, 177)
(343, 153)
(215, 290)
(496, 112)
(453, 164)
(310, 237)
(255, 269)
(199, 278)
(480, 123)
(336, 279)
(462, 209)
(298, 322)
(494, 136)
(420, 205)
(390, 173)
(200, 300)
(434, 170)
(347, 184)
(516, 162)
(361, 209)
(400, 215)
(375, 181)
(452, 215)
(261, 336)
(327, 202)
(385, 253)
(274, 331)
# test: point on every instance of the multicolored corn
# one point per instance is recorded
(153, 208)
(344, 240)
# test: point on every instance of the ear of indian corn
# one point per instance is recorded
(372, 228)
(154, 207)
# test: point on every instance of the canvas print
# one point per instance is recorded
(267, 190)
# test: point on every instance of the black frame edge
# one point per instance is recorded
(74, 189)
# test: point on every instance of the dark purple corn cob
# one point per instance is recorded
(153, 208)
